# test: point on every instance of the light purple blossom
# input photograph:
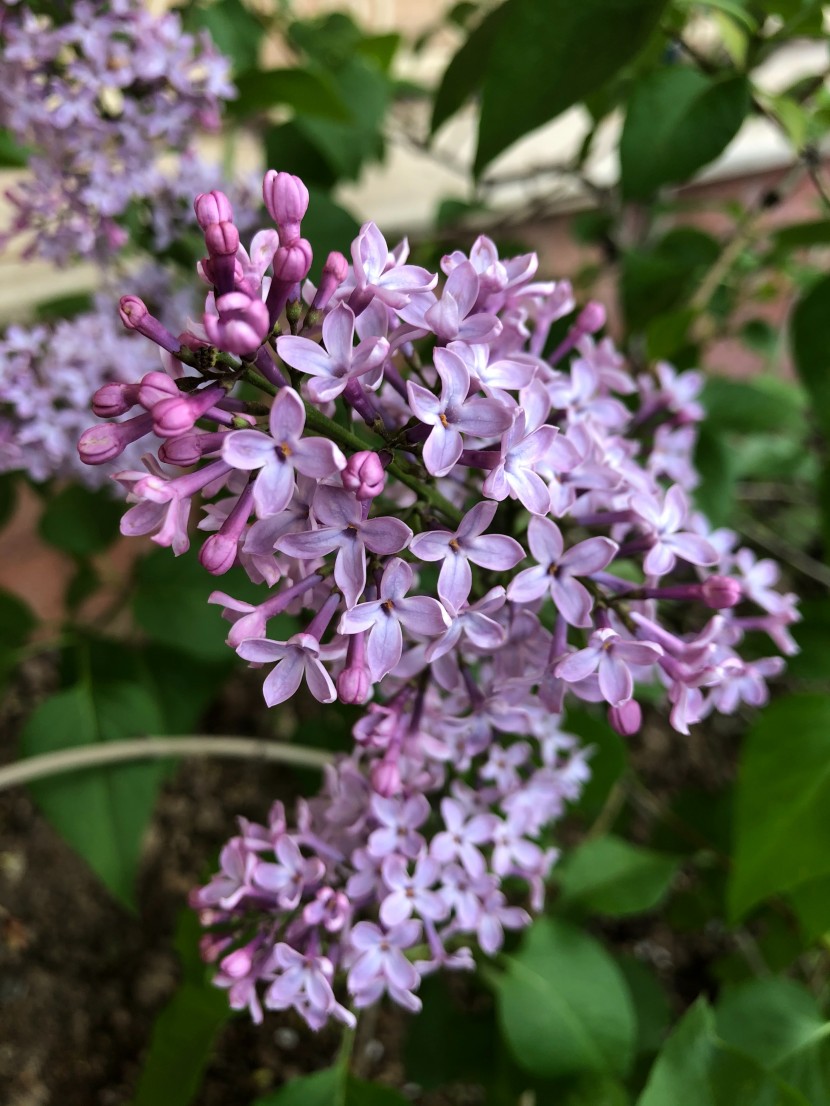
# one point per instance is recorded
(421, 615)
(557, 570)
(297, 658)
(609, 654)
(453, 413)
(278, 456)
(332, 369)
(468, 543)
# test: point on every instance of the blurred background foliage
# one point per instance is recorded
(684, 959)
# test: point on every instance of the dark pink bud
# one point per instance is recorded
(721, 591)
(222, 239)
(218, 553)
(291, 263)
(135, 316)
(211, 947)
(627, 718)
(114, 399)
(189, 449)
(335, 271)
(286, 198)
(354, 684)
(591, 318)
(177, 414)
(386, 779)
(104, 443)
(155, 387)
(364, 475)
(212, 207)
(241, 325)
(133, 311)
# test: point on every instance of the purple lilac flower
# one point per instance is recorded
(460, 767)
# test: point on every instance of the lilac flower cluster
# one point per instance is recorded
(472, 529)
(98, 98)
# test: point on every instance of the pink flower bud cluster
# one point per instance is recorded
(98, 97)
(472, 532)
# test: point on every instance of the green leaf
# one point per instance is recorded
(563, 1004)
(608, 760)
(16, 620)
(307, 93)
(234, 29)
(661, 279)
(716, 466)
(778, 1023)
(696, 1068)
(782, 832)
(550, 56)
(170, 603)
(81, 522)
(101, 812)
(12, 155)
(63, 307)
(678, 120)
(330, 1088)
(609, 876)
(810, 340)
(651, 1004)
(465, 73)
(815, 232)
(473, 1055)
(348, 144)
(380, 49)
(811, 903)
(766, 404)
(180, 1045)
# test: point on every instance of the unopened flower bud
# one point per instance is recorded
(286, 198)
(178, 414)
(218, 553)
(354, 684)
(335, 271)
(364, 475)
(154, 387)
(222, 239)
(386, 778)
(104, 443)
(114, 399)
(719, 592)
(626, 718)
(135, 316)
(291, 263)
(241, 325)
(212, 207)
(591, 318)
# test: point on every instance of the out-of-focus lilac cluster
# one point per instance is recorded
(473, 525)
(47, 371)
(99, 98)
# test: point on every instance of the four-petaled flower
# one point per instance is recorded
(453, 413)
(609, 654)
(383, 617)
(557, 570)
(280, 454)
(297, 657)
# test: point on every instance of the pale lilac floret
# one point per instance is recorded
(333, 368)
(381, 966)
(420, 614)
(514, 474)
(304, 983)
(609, 654)
(410, 893)
(378, 275)
(460, 840)
(556, 572)
(282, 453)
(453, 316)
(344, 529)
(468, 543)
(288, 878)
(296, 658)
(399, 822)
(663, 525)
(453, 413)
